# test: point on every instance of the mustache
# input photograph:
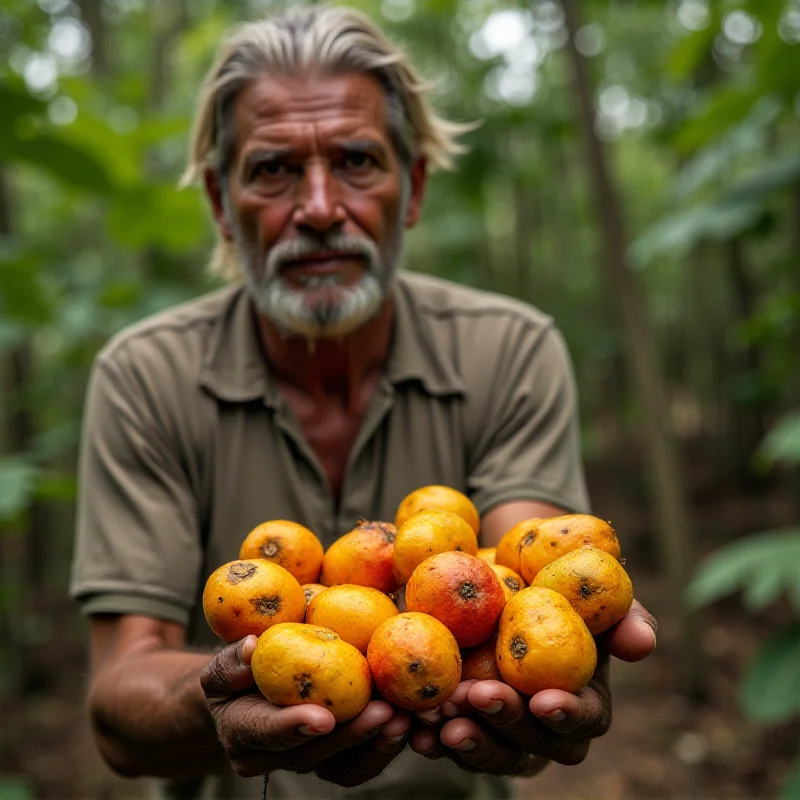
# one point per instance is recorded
(308, 244)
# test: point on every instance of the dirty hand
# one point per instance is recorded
(259, 737)
(486, 726)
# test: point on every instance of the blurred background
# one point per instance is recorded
(636, 175)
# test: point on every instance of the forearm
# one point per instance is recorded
(150, 716)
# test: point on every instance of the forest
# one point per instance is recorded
(633, 171)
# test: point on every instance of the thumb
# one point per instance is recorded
(228, 672)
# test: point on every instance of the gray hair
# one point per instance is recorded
(329, 39)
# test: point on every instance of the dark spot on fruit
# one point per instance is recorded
(267, 605)
(304, 684)
(240, 571)
(458, 549)
(512, 584)
(414, 666)
(220, 599)
(585, 590)
(529, 539)
(271, 548)
(553, 544)
(237, 612)
(428, 692)
(518, 647)
(328, 701)
(565, 531)
(468, 590)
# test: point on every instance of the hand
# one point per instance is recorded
(486, 726)
(259, 737)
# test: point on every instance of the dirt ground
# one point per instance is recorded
(661, 745)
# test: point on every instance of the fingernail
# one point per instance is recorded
(555, 716)
(466, 744)
(492, 708)
(397, 739)
(431, 715)
(308, 731)
(449, 709)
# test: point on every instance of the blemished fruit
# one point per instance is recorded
(287, 544)
(551, 538)
(509, 580)
(443, 498)
(542, 643)
(595, 584)
(364, 556)
(415, 661)
(477, 663)
(299, 663)
(249, 596)
(427, 533)
(354, 612)
(311, 590)
(461, 591)
(507, 554)
(487, 554)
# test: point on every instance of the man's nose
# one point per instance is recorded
(319, 205)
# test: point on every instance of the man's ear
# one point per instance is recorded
(213, 189)
(419, 179)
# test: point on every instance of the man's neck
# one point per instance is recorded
(324, 368)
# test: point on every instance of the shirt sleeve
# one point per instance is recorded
(529, 445)
(137, 547)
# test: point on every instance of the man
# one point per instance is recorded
(325, 389)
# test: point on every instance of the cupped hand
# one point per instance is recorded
(487, 726)
(259, 737)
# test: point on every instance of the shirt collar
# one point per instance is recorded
(234, 369)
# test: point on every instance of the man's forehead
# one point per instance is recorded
(276, 101)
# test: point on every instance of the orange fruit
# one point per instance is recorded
(595, 584)
(364, 556)
(297, 663)
(287, 544)
(351, 611)
(543, 644)
(429, 532)
(443, 498)
(311, 590)
(414, 660)
(509, 580)
(551, 538)
(478, 662)
(249, 596)
(487, 554)
(461, 591)
(507, 553)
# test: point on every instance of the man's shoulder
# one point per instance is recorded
(182, 327)
(446, 302)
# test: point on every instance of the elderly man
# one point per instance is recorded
(323, 387)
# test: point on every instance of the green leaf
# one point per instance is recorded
(690, 52)
(749, 564)
(770, 691)
(782, 443)
(17, 484)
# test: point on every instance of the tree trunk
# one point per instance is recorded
(665, 472)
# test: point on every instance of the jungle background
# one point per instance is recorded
(636, 174)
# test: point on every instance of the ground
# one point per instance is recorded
(661, 745)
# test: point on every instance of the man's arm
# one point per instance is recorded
(502, 518)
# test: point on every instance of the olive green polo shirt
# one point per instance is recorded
(187, 443)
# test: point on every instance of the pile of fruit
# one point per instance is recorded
(411, 608)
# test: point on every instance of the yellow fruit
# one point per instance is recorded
(543, 644)
(287, 544)
(297, 663)
(364, 556)
(443, 498)
(311, 590)
(551, 538)
(595, 584)
(250, 595)
(414, 661)
(427, 533)
(354, 612)
(487, 554)
(507, 554)
(509, 580)
(478, 662)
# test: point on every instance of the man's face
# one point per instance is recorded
(317, 200)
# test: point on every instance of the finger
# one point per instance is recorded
(478, 749)
(458, 705)
(351, 734)
(634, 636)
(228, 673)
(425, 741)
(506, 713)
(394, 733)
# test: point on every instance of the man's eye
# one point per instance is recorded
(358, 161)
(269, 169)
